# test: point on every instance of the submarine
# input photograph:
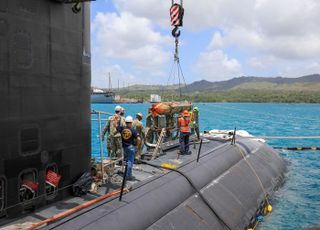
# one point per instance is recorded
(220, 191)
(45, 75)
(45, 126)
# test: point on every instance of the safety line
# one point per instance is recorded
(254, 172)
(268, 208)
(283, 137)
(303, 148)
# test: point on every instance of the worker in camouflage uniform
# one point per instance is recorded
(114, 145)
(194, 124)
(123, 119)
(138, 126)
(150, 124)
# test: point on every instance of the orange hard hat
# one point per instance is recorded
(186, 113)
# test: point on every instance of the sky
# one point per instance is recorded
(220, 40)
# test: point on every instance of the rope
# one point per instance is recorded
(283, 137)
(205, 201)
(184, 80)
(254, 172)
(268, 208)
(312, 148)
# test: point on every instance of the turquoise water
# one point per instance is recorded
(297, 204)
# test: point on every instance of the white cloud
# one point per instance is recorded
(198, 15)
(215, 65)
(300, 69)
(155, 10)
(216, 41)
(285, 29)
(131, 39)
(281, 37)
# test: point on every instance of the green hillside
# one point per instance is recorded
(243, 89)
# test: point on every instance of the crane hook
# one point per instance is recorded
(176, 32)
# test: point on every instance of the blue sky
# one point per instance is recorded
(220, 40)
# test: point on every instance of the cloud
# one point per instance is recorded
(127, 38)
(271, 37)
(300, 69)
(216, 41)
(155, 10)
(286, 68)
(101, 74)
(215, 65)
(287, 29)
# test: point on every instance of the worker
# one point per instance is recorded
(150, 124)
(194, 122)
(183, 125)
(138, 126)
(114, 137)
(130, 141)
(122, 112)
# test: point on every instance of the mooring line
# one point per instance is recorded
(283, 137)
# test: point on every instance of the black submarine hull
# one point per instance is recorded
(45, 99)
(224, 178)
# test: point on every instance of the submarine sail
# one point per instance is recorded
(45, 80)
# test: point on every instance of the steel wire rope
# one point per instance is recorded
(185, 83)
(174, 79)
(168, 81)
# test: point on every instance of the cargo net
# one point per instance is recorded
(164, 116)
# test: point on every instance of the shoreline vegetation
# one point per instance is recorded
(305, 89)
(256, 96)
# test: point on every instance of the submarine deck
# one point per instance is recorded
(143, 173)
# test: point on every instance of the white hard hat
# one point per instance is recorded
(117, 108)
(129, 119)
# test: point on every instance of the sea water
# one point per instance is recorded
(296, 205)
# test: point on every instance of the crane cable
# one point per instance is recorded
(176, 16)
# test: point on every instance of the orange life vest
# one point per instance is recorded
(184, 125)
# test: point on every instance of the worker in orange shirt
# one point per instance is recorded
(183, 125)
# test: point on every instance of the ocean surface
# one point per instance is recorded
(296, 205)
